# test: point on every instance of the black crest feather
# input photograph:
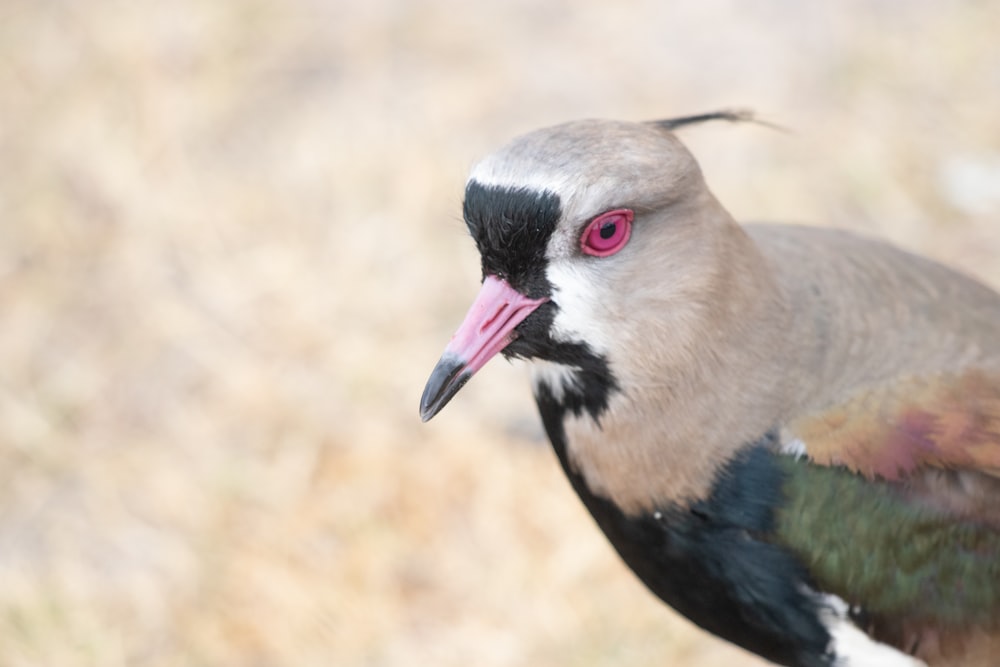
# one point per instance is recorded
(730, 115)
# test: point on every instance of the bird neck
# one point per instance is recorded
(702, 386)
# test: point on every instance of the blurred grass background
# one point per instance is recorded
(231, 250)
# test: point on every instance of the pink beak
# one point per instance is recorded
(487, 329)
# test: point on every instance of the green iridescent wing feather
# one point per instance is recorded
(874, 546)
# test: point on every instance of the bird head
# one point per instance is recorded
(582, 228)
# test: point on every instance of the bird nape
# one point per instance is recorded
(790, 434)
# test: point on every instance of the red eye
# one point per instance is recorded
(607, 233)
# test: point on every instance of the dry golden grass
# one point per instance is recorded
(230, 251)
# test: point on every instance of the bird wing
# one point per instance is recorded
(913, 575)
(892, 432)
(895, 507)
(877, 546)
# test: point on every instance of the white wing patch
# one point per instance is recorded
(794, 447)
(853, 648)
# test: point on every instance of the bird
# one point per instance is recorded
(789, 433)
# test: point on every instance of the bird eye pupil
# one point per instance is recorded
(608, 230)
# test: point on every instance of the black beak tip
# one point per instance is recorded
(447, 378)
(428, 406)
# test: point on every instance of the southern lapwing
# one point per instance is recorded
(790, 434)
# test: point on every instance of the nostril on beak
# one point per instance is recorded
(488, 322)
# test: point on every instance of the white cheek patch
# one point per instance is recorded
(853, 648)
(578, 318)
